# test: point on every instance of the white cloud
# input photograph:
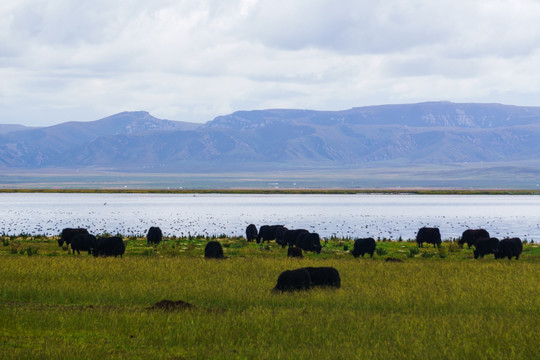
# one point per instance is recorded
(193, 60)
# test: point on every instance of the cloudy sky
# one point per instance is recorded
(63, 60)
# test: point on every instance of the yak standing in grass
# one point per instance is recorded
(509, 248)
(294, 251)
(83, 242)
(289, 238)
(109, 246)
(213, 250)
(154, 235)
(267, 233)
(364, 246)
(68, 234)
(471, 236)
(485, 246)
(251, 232)
(280, 235)
(291, 280)
(324, 276)
(428, 235)
(309, 242)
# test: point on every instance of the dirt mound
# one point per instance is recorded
(170, 305)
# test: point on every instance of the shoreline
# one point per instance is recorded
(281, 191)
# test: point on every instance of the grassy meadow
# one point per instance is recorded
(436, 304)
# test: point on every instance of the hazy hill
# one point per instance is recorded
(51, 146)
(425, 133)
(5, 128)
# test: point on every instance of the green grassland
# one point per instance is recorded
(436, 304)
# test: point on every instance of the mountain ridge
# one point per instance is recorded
(424, 133)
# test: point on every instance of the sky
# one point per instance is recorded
(64, 60)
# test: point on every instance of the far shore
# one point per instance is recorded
(282, 191)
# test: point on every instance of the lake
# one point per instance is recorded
(361, 215)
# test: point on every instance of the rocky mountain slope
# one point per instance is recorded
(425, 133)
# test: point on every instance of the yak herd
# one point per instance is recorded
(297, 240)
(308, 277)
(301, 239)
(81, 240)
(479, 238)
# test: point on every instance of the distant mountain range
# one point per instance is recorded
(430, 133)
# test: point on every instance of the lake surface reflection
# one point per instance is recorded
(362, 215)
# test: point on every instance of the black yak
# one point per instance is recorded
(251, 232)
(485, 246)
(294, 252)
(309, 242)
(509, 248)
(470, 236)
(68, 233)
(291, 280)
(324, 276)
(364, 246)
(109, 246)
(213, 250)
(83, 242)
(267, 233)
(280, 235)
(428, 235)
(154, 235)
(290, 236)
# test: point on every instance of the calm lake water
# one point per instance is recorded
(361, 215)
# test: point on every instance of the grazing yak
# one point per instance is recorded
(280, 235)
(291, 280)
(509, 248)
(290, 236)
(251, 232)
(213, 250)
(294, 252)
(82, 242)
(470, 236)
(154, 235)
(428, 235)
(267, 233)
(363, 246)
(308, 277)
(68, 233)
(324, 276)
(485, 246)
(109, 246)
(309, 242)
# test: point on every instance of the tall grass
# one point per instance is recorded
(82, 307)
